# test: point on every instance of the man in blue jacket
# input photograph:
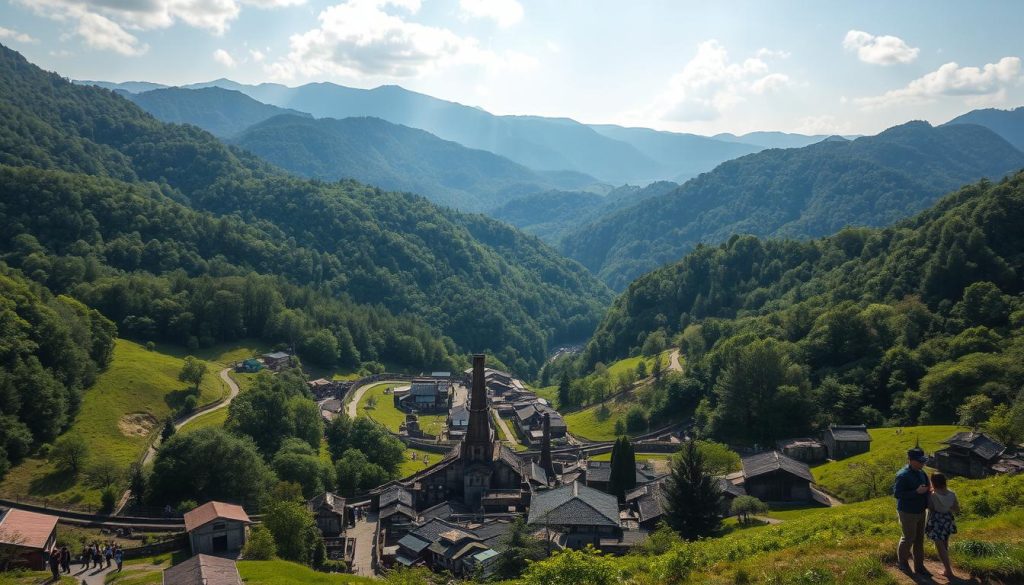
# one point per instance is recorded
(911, 492)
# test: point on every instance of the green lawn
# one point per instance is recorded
(33, 578)
(286, 573)
(844, 477)
(410, 467)
(640, 457)
(214, 418)
(549, 393)
(385, 412)
(590, 424)
(119, 413)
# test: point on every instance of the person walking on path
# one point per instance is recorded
(118, 557)
(65, 559)
(911, 491)
(108, 554)
(54, 562)
(941, 524)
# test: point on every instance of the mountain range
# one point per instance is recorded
(800, 192)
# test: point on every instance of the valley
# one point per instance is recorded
(371, 307)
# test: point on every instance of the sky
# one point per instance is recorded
(704, 67)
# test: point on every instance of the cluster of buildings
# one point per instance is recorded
(273, 361)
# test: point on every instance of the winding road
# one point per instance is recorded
(673, 361)
(151, 452)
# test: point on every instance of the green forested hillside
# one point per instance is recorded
(223, 112)
(174, 202)
(397, 158)
(51, 348)
(805, 192)
(901, 324)
(1007, 123)
(553, 214)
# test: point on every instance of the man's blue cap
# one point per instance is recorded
(917, 454)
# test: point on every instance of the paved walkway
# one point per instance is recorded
(364, 532)
(151, 452)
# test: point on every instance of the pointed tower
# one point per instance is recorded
(478, 445)
(545, 450)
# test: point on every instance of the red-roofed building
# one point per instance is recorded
(217, 527)
(31, 535)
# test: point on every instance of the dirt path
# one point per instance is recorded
(673, 361)
(151, 452)
(504, 427)
(935, 568)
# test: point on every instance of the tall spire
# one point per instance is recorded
(545, 450)
(478, 442)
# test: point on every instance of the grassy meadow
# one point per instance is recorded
(385, 412)
(120, 413)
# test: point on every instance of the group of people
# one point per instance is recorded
(94, 556)
(926, 508)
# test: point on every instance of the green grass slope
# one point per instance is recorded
(119, 414)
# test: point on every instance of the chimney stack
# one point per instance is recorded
(545, 450)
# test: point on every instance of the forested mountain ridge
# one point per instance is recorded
(398, 158)
(803, 192)
(544, 144)
(900, 325)
(221, 112)
(553, 214)
(394, 250)
(1007, 123)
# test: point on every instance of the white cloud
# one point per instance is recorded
(879, 50)
(504, 12)
(104, 24)
(978, 84)
(257, 55)
(823, 124)
(711, 84)
(99, 32)
(366, 38)
(13, 35)
(224, 58)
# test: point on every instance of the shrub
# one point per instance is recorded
(260, 546)
(108, 499)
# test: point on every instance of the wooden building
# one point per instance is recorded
(277, 360)
(329, 512)
(425, 395)
(773, 477)
(29, 536)
(217, 528)
(581, 515)
(844, 441)
(968, 454)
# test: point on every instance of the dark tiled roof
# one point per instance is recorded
(395, 494)
(978, 443)
(648, 500)
(601, 471)
(413, 543)
(425, 388)
(574, 504)
(328, 499)
(849, 432)
(728, 487)
(393, 509)
(444, 510)
(538, 474)
(763, 463)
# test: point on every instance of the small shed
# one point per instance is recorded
(773, 477)
(845, 441)
(329, 512)
(216, 528)
(203, 570)
(277, 359)
(803, 449)
(969, 454)
(30, 536)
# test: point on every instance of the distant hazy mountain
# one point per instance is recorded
(1007, 123)
(125, 86)
(688, 155)
(535, 142)
(553, 214)
(799, 192)
(772, 139)
(398, 158)
(222, 112)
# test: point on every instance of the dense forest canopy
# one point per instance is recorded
(899, 325)
(803, 192)
(145, 206)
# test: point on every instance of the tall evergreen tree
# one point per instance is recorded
(564, 391)
(623, 468)
(692, 498)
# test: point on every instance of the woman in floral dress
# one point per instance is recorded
(942, 504)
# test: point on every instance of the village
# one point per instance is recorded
(455, 513)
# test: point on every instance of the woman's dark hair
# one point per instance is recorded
(939, 481)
